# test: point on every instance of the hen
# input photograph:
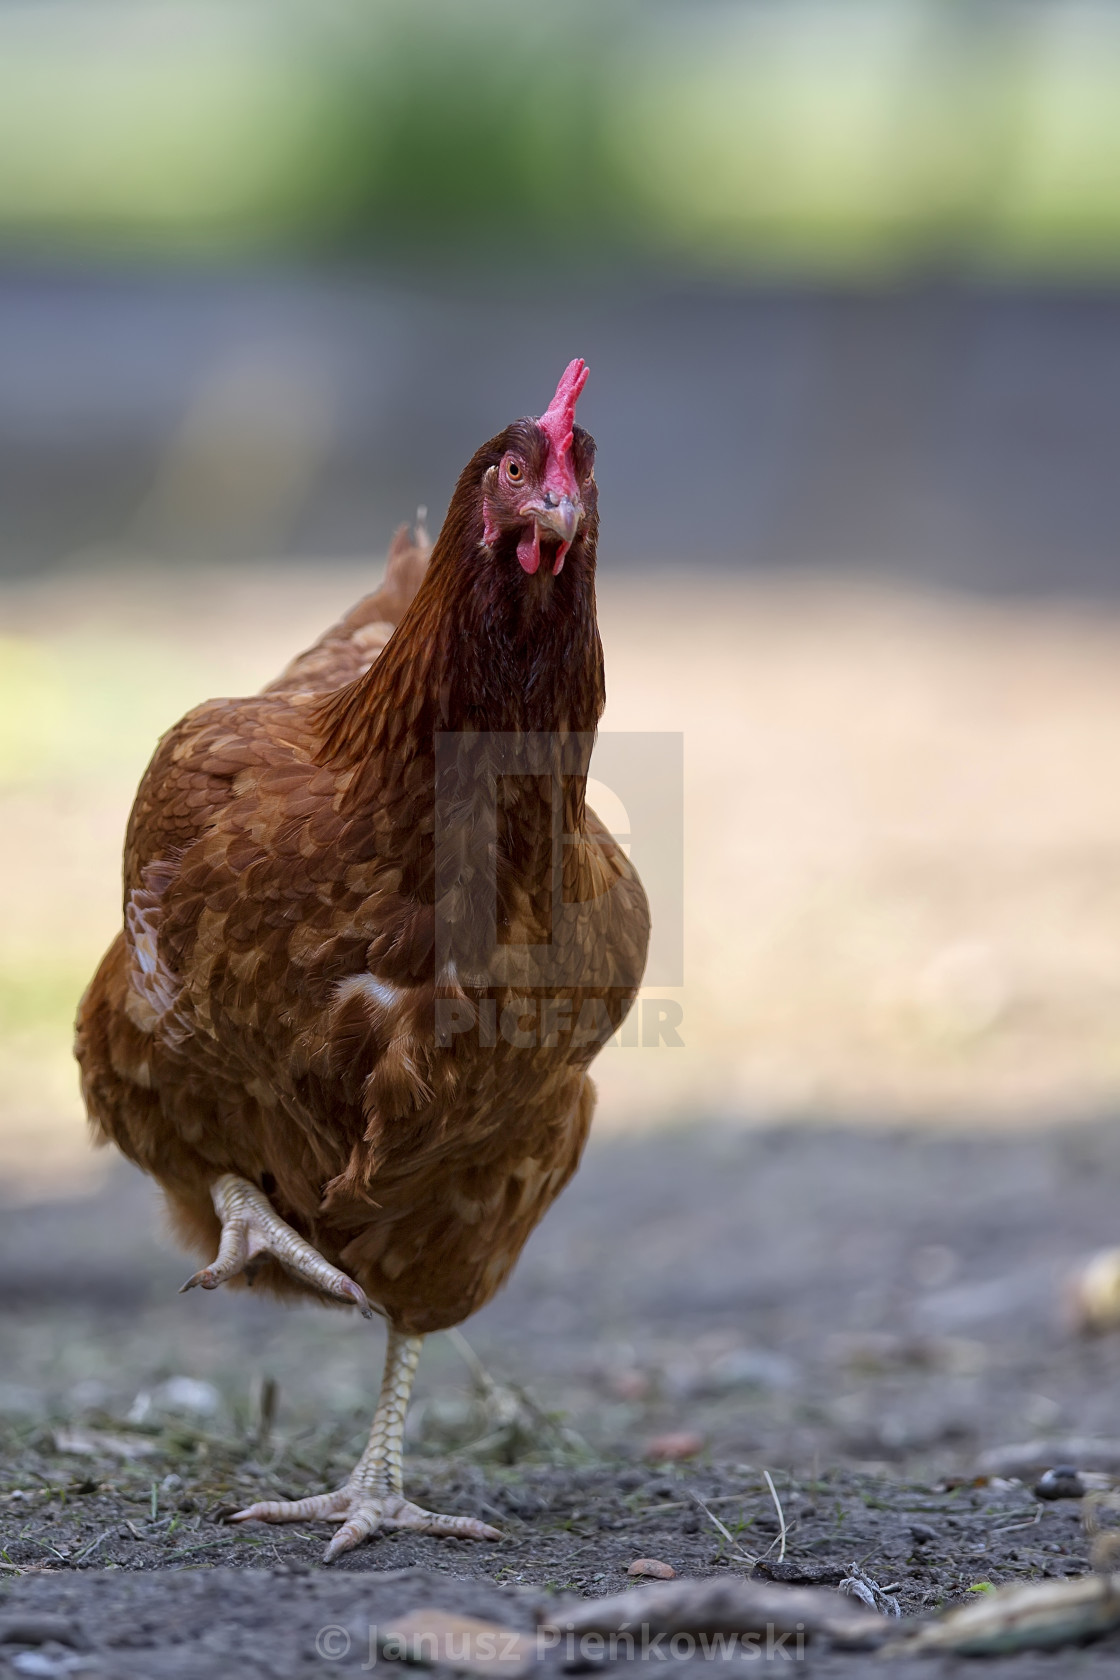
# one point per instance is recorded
(374, 937)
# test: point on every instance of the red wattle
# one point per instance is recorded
(529, 550)
(560, 553)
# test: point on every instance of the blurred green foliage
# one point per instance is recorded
(812, 135)
(88, 708)
(80, 714)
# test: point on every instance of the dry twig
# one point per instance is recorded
(740, 1556)
(781, 1515)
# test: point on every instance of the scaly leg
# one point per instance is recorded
(251, 1226)
(372, 1497)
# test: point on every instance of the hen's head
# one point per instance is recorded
(538, 496)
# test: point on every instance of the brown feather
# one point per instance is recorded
(271, 1006)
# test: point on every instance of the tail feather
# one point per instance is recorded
(348, 649)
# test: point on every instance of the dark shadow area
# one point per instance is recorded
(809, 1294)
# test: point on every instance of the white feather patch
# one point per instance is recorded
(153, 990)
(368, 986)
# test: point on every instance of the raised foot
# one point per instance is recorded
(363, 1513)
(251, 1227)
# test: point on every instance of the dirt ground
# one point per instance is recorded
(864, 1314)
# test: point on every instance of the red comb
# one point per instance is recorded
(557, 421)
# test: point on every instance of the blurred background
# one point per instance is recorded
(847, 273)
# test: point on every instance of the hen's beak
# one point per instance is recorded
(558, 515)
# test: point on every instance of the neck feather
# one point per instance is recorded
(482, 648)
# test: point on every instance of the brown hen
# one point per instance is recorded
(374, 937)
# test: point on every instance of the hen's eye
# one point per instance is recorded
(513, 469)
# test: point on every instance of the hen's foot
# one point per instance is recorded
(363, 1512)
(252, 1227)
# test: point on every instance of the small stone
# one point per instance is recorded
(39, 1665)
(675, 1445)
(652, 1569)
(187, 1394)
(1062, 1482)
(629, 1385)
(805, 1574)
(96, 1442)
(746, 1368)
(661, 1490)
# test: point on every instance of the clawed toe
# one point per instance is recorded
(408, 1515)
(371, 1500)
(362, 1515)
(205, 1279)
(320, 1507)
(252, 1229)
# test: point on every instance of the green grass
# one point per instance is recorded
(89, 707)
(41, 1000)
(849, 137)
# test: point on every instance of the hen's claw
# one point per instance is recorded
(363, 1513)
(251, 1227)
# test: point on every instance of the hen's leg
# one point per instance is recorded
(250, 1227)
(372, 1497)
